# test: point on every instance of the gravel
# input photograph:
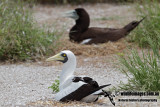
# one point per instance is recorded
(24, 83)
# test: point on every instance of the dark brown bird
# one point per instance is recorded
(82, 33)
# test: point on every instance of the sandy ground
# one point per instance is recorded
(26, 84)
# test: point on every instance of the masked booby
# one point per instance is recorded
(76, 88)
(83, 34)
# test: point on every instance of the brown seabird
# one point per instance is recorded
(83, 34)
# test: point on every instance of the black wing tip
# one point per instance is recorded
(104, 86)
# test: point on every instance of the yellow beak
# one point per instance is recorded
(57, 57)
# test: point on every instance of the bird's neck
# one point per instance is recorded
(67, 70)
(78, 29)
(81, 25)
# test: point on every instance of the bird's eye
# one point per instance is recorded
(64, 55)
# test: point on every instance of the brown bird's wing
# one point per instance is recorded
(102, 35)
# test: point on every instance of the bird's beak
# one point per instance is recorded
(57, 57)
(71, 14)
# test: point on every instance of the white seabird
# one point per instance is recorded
(73, 88)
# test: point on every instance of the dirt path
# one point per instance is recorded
(27, 83)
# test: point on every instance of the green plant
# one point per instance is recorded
(55, 86)
(150, 26)
(143, 71)
(143, 68)
(20, 38)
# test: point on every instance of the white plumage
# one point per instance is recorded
(86, 41)
(71, 88)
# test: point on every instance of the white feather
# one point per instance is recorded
(86, 41)
(67, 70)
(66, 83)
(71, 88)
(90, 98)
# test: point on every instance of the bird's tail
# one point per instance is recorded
(129, 27)
(109, 95)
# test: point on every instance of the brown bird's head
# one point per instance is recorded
(132, 25)
(77, 14)
(81, 18)
(82, 21)
(82, 13)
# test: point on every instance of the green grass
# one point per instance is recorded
(20, 38)
(150, 26)
(143, 71)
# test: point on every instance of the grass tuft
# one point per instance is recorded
(142, 70)
(20, 38)
(150, 26)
